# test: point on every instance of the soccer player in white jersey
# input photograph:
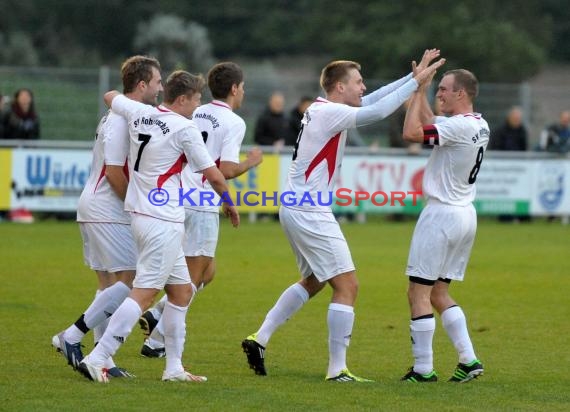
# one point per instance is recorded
(445, 231)
(162, 140)
(319, 245)
(108, 245)
(223, 132)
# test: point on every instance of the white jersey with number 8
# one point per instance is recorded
(459, 145)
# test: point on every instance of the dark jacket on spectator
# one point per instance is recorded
(19, 125)
(510, 138)
(270, 127)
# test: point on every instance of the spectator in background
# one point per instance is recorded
(556, 137)
(512, 135)
(295, 117)
(271, 128)
(22, 121)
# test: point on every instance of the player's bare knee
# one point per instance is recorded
(179, 294)
(126, 277)
(440, 298)
(419, 291)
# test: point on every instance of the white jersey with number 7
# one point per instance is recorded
(161, 143)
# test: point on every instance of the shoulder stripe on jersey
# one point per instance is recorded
(101, 176)
(431, 136)
(328, 153)
(175, 169)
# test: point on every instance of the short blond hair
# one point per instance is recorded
(335, 72)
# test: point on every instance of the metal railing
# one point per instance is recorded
(69, 101)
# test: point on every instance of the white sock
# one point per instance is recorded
(174, 318)
(422, 331)
(156, 338)
(455, 325)
(340, 320)
(99, 330)
(290, 301)
(109, 363)
(75, 335)
(105, 304)
(120, 327)
(157, 309)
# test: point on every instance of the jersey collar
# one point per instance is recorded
(220, 103)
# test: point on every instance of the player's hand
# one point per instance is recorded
(255, 156)
(425, 76)
(231, 212)
(428, 56)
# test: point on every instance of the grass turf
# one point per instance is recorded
(514, 296)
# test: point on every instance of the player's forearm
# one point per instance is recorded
(426, 113)
(384, 90)
(109, 96)
(413, 129)
(231, 170)
(386, 105)
(117, 180)
(216, 179)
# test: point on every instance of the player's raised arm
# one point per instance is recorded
(417, 114)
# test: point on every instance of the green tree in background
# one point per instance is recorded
(177, 44)
(505, 41)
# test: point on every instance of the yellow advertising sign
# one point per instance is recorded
(257, 190)
(5, 178)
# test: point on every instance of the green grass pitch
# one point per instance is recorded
(515, 297)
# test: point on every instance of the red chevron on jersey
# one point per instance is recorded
(328, 153)
(175, 169)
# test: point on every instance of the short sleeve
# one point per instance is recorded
(232, 142)
(116, 140)
(195, 149)
(446, 131)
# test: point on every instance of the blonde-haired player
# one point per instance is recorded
(319, 245)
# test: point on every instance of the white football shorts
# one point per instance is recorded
(200, 233)
(108, 246)
(317, 242)
(161, 259)
(442, 241)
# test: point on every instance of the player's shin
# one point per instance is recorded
(340, 321)
(421, 331)
(174, 320)
(120, 327)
